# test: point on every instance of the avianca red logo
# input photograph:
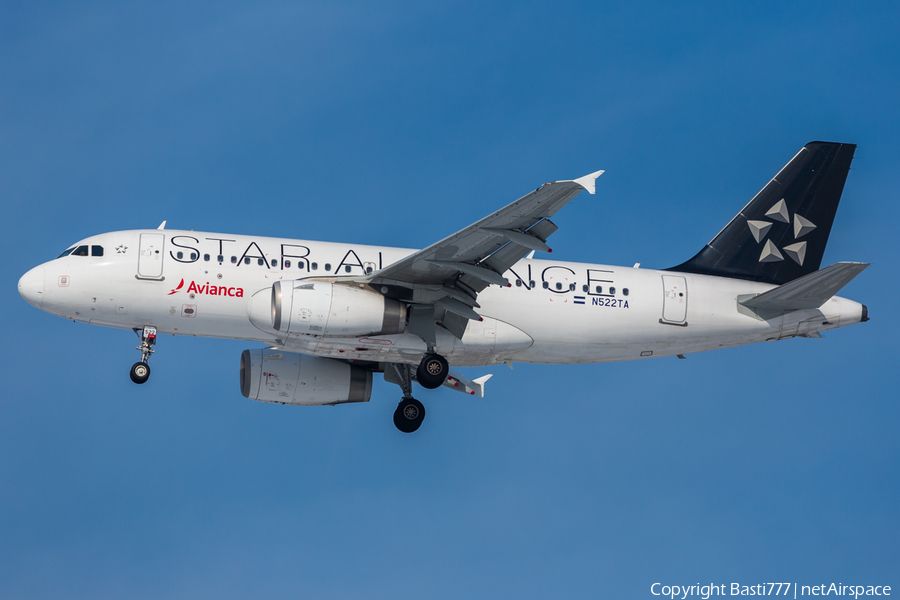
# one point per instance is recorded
(209, 289)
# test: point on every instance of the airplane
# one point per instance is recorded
(330, 315)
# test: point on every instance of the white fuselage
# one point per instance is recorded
(203, 284)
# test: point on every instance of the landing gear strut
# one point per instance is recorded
(140, 371)
(410, 413)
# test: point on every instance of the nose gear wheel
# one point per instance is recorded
(140, 372)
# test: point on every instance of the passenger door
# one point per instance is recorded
(674, 300)
(150, 258)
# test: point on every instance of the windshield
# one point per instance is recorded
(84, 250)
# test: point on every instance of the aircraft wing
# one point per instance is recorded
(447, 276)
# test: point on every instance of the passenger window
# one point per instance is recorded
(314, 266)
(193, 256)
(234, 260)
(531, 284)
(612, 291)
(518, 283)
(571, 287)
(246, 260)
(206, 257)
(67, 252)
(220, 258)
(299, 264)
(599, 289)
(179, 254)
(96, 250)
(328, 266)
(287, 264)
(585, 288)
(624, 291)
(546, 285)
(274, 263)
(558, 285)
(347, 268)
(368, 270)
(80, 251)
(260, 261)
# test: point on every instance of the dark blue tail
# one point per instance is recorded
(781, 234)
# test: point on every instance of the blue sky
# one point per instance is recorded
(398, 124)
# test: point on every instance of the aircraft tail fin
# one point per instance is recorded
(810, 291)
(782, 232)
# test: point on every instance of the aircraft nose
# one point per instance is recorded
(31, 286)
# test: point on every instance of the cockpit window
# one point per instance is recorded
(80, 251)
(96, 250)
(67, 252)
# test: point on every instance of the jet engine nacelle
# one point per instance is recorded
(321, 308)
(291, 378)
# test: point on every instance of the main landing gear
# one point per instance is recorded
(140, 371)
(410, 413)
(430, 374)
(432, 371)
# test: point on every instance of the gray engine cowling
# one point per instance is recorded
(291, 378)
(303, 307)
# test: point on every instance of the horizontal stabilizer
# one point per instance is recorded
(809, 291)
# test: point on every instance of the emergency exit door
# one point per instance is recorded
(150, 258)
(674, 300)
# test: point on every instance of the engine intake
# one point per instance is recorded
(291, 378)
(336, 310)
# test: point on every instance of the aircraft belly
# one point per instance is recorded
(484, 343)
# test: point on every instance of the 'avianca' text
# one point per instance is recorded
(210, 290)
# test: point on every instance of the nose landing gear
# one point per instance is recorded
(140, 371)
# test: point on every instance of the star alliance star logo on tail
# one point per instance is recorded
(770, 252)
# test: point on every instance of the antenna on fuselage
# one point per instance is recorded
(162, 225)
